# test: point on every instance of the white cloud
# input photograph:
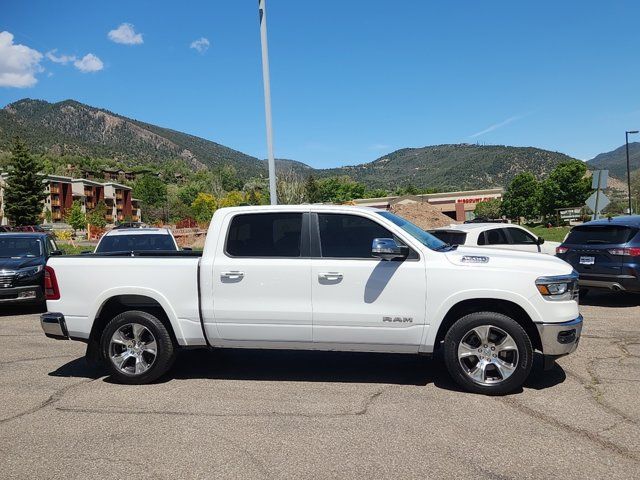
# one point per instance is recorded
(201, 45)
(62, 59)
(496, 126)
(18, 63)
(125, 34)
(89, 63)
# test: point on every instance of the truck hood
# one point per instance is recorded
(536, 263)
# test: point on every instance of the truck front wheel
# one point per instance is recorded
(488, 352)
(137, 348)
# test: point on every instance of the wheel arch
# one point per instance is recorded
(115, 304)
(505, 307)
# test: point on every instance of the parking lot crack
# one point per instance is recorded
(592, 437)
(52, 399)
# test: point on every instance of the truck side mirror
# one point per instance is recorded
(388, 249)
(540, 240)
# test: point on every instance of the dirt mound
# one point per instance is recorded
(423, 215)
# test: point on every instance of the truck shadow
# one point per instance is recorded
(308, 366)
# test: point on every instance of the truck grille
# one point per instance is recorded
(6, 280)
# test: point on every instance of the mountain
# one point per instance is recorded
(70, 127)
(73, 128)
(616, 160)
(460, 166)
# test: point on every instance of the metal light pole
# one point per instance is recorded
(267, 100)
(626, 134)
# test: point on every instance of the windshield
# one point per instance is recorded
(134, 243)
(18, 247)
(423, 237)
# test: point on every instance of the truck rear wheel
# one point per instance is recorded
(137, 348)
(488, 352)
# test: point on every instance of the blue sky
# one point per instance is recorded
(351, 81)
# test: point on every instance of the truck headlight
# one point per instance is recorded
(29, 272)
(558, 287)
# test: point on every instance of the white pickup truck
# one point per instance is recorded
(322, 278)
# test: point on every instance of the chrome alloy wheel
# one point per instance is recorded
(488, 355)
(133, 349)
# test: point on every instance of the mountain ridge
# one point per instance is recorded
(70, 127)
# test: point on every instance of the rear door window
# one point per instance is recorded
(496, 236)
(265, 235)
(136, 243)
(594, 235)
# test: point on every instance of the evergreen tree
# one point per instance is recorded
(25, 189)
(311, 190)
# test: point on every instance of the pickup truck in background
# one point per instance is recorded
(319, 277)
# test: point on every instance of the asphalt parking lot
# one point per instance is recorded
(253, 414)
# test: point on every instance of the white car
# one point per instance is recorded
(136, 240)
(318, 277)
(495, 235)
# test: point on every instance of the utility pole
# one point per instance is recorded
(267, 100)
(626, 135)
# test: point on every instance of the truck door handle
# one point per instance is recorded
(233, 275)
(334, 276)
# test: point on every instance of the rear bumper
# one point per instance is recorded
(560, 338)
(610, 282)
(22, 294)
(54, 326)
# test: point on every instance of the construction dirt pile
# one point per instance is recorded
(423, 215)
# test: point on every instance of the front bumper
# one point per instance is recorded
(560, 338)
(54, 326)
(22, 294)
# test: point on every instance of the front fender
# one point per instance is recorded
(439, 312)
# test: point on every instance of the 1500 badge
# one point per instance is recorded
(398, 319)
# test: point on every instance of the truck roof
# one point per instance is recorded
(302, 208)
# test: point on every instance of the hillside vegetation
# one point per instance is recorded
(616, 160)
(72, 130)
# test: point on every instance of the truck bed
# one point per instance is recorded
(86, 282)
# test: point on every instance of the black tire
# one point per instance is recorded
(461, 330)
(164, 351)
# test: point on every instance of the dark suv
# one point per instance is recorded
(606, 253)
(22, 260)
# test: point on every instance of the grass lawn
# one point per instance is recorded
(554, 234)
(69, 249)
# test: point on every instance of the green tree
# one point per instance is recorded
(490, 209)
(76, 217)
(151, 190)
(311, 190)
(96, 216)
(522, 197)
(25, 190)
(567, 186)
(203, 207)
(339, 189)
